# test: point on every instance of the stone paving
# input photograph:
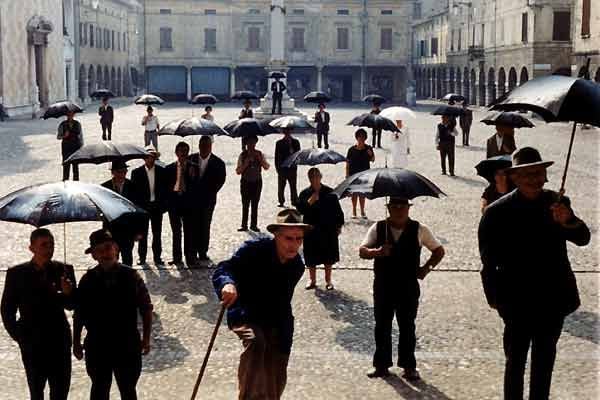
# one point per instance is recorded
(459, 347)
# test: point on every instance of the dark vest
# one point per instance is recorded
(445, 133)
(400, 269)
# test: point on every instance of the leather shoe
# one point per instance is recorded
(378, 373)
(254, 228)
(159, 261)
(411, 374)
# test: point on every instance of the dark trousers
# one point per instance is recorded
(542, 335)
(126, 364)
(388, 303)
(156, 217)
(67, 169)
(277, 102)
(289, 176)
(125, 248)
(376, 137)
(447, 150)
(465, 135)
(106, 127)
(202, 218)
(323, 136)
(250, 197)
(181, 224)
(47, 364)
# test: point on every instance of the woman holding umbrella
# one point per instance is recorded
(71, 136)
(321, 209)
(359, 158)
(250, 164)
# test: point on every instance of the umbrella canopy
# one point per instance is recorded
(191, 126)
(487, 168)
(317, 97)
(383, 182)
(454, 97)
(101, 93)
(398, 113)
(106, 151)
(204, 99)
(61, 109)
(513, 119)
(374, 98)
(244, 95)
(292, 122)
(448, 110)
(556, 98)
(375, 121)
(248, 127)
(149, 99)
(277, 74)
(313, 157)
(68, 201)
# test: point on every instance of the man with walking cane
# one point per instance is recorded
(257, 285)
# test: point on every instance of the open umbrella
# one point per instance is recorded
(512, 119)
(448, 110)
(375, 121)
(277, 75)
(374, 98)
(383, 182)
(317, 97)
(106, 152)
(204, 99)
(557, 99)
(292, 122)
(454, 97)
(191, 126)
(101, 93)
(398, 113)
(488, 167)
(60, 109)
(244, 95)
(149, 99)
(313, 157)
(248, 127)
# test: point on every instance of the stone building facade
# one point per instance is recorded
(586, 39)
(32, 59)
(346, 47)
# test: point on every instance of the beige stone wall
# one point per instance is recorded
(435, 26)
(587, 47)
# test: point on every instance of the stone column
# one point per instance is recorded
(232, 80)
(189, 83)
(363, 79)
(320, 78)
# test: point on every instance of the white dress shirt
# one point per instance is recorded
(426, 237)
(203, 162)
(499, 141)
(151, 173)
(152, 123)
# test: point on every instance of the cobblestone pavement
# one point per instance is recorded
(459, 347)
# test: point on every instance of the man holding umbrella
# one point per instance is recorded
(106, 114)
(284, 148)
(322, 119)
(71, 136)
(395, 246)
(526, 272)
(502, 142)
(465, 121)
(445, 142)
(376, 132)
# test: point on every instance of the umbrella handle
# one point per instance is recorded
(561, 192)
(208, 351)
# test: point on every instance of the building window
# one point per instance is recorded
(112, 41)
(210, 12)
(562, 26)
(81, 43)
(254, 11)
(91, 35)
(210, 39)
(482, 34)
(106, 39)
(585, 18)
(298, 39)
(386, 38)
(434, 47)
(165, 11)
(253, 38)
(343, 42)
(524, 22)
(166, 42)
(119, 41)
(452, 40)
(417, 10)
(459, 47)
(343, 11)
(386, 12)
(124, 41)
(99, 38)
(298, 11)
(422, 48)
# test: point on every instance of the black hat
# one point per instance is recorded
(98, 237)
(117, 165)
(527, 157)
(288, 218)
(401, 201)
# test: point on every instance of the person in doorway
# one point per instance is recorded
(465, 121)
(400, 146)
(71, 136)
(376, 132)
(445, 142)
(151, 127)
(250, 164)
(359, 158)
(277, 89)
(502, 142)
(322, 120)
(208, 114)
(284, 148)
(107, 115)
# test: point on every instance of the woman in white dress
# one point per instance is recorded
(400, 146)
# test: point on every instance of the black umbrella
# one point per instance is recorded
(317, 97)
(448, 110)
(292, 122)
(383, 182)
(149, 99)
(106, 152)
(454, 97)
(512, 119)
(204, 99)
(375, 121)
(374, 98)
(101, 93)
(248, 127)
(487, 168)
(277, 74)
(557, 98)
(191, 126)
(244, 95)
(313, 157)
(61, 109)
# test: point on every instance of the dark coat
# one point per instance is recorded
(526, 269)
(42, 320)
(322, 123)
(182, 202)
(283, 151)
(139, 178)
(508, 146)
(204, 189)
(466, 120)
(126, 228)
(106, 115)
(274, 86)
(246, 113)
(265, 287)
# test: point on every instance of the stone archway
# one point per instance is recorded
(38, 28)
(466, 85)
(512, 79)
(451, 81)
(442, 82)
(434, 81)
(473, 99)
(501, 82)
(99, 78)
(428, 83)
(524, 76)
(119, 82)
(106, 78)
(113, 80)
(491, 86)
(83, 85)
(91, 80)
(459, 86)
(482, 87)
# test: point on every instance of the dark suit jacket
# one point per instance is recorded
(129, 190)
(465, 120)
(508, 146)
(128, 227)
(204, 189)
(139, 178)
(42, 320)
(322, 123)
(278, 85)
(282, 152)
(106, 116)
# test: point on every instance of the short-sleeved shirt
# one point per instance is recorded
(426, 237)
(359, 160)
(152, 123)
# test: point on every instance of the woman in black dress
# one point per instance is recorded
(321, 209)
(250, 165)
(501, 185)
(360, 156)
(71, 136)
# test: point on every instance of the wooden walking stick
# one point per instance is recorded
(210, 346)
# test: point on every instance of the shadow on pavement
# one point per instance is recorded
(166, 351)
(417, 390)
(584, 325)
(470, 181)
(471, 148)
(18, 157)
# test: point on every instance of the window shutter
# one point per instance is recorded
(585, 18)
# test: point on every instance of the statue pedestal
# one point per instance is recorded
(288, 105)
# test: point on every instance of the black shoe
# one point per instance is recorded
(159, 261)
(411, 374)
(141, 262)
(378, 373)
(175, 262)
(103, 137)
(281, 205)
(192, 262)
(443, 172)
(452, 174)
(242, 229)
(254, 228)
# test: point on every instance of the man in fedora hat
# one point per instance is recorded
(109, 299)
(526, 272)
(150, 182)
(123, 233)
(106, 113)
(395, 245)
(257, 285)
